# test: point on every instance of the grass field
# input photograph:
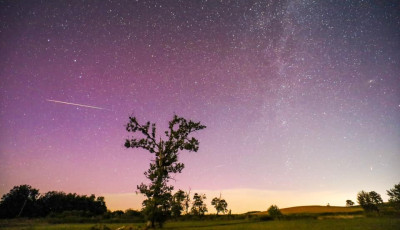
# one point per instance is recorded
(299, 218)
(375, 223)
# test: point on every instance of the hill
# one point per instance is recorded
(317, 209)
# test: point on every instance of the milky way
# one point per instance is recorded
(296, 95)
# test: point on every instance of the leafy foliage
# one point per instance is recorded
(219, 204)
(369, 201)
(394, 196)
(198, 206)
(157, 206)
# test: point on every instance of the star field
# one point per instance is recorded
(296, 95)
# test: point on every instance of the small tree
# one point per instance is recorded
(156, 207)
(177, 203)
(394, 196)
(219, 204)
(369, 201)
(349, 203)
(199, 207)
(274, 212)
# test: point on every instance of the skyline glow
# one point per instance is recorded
(296, 95)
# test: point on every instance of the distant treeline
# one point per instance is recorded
(25, 201)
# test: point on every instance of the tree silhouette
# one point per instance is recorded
(369, 201)
(394, 196)
(21, 201)
(58, 202)
(199, 207)
(219, 204)
(177, 203)
(158, 192)
(25, 201)
(274, 211)
(349, 203)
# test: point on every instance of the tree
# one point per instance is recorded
(219, 204)
(20, 202)
(369, 201)
(198, 205)
(117, 213)
(376, 198)
(274, 211)
(156, 207)
(349, 203)
(394, 196)
(177, 203)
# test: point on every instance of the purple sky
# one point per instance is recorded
(296, 95)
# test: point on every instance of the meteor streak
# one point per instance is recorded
(69, 103)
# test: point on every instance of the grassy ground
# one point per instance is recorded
(375, 223)
(348, 224)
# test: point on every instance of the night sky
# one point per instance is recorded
(301, 99)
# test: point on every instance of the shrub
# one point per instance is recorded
(274, 212)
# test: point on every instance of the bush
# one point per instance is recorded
(274, 212)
